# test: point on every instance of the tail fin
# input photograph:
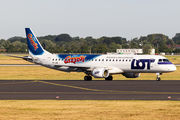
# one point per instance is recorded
(33, 44)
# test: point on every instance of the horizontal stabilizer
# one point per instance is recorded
(25, 57)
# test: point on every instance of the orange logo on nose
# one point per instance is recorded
(32, 41)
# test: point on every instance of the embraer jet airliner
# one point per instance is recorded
(98, 66)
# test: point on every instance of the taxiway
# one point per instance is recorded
(89, 90)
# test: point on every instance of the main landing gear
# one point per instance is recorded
(109, 78)
(158, 76)
(87, 78)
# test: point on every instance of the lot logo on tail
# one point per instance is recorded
(70, 59)
(32, 41)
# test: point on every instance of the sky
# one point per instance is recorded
(125, 18)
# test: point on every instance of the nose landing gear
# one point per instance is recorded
(158, 79)
(158, 76)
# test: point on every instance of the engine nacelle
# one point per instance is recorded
(131, 75)
(100, 73)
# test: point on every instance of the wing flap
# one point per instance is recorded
(73, 66)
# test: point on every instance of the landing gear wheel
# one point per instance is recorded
(87, 78)
(158, 76)
(109, 78)
(158, 79)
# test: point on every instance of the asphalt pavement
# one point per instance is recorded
(89, 90)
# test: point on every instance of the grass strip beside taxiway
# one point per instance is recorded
(89, 109)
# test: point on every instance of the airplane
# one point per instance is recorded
(98, 66)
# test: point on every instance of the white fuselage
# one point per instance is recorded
(115, 63)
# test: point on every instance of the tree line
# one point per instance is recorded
(64, 43)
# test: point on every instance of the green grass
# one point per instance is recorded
(42, 73)
(89, 110)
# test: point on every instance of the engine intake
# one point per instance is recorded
(100, 73)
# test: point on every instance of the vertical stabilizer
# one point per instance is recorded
(33, 44)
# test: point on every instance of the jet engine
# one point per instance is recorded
(100, 73)
(131, 75)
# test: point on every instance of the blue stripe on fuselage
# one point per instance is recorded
(164, 63)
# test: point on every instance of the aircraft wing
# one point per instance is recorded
(75, 66)
(113, 70)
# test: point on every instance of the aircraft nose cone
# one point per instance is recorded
(172, 68)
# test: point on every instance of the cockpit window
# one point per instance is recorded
(165, 60)
(160, 60)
